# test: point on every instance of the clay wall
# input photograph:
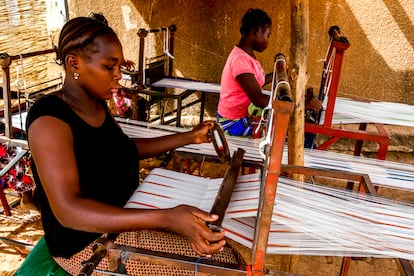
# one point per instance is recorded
(379, 65)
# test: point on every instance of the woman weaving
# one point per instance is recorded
(84, 180)
(242, 79)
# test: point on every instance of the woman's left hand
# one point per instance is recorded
(201, 132)
(313, 104)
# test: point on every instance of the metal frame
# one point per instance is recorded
(5, 62)
(119, 254)
(143, 85)
(381, 137)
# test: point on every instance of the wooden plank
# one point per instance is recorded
(226, 189)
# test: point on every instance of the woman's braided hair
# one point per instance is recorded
(78, 33)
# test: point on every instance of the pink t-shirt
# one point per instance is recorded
(233, 102)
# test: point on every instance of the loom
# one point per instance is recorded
(155, 68)
(321, 123)
(5, 63)
(190, 152)
(313, 240)
(276, 214)
(19, 105)
(277, 119)
(300, 223)
(296, 202)
(328, 88)
(316, 159)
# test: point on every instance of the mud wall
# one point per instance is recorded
(379, 65)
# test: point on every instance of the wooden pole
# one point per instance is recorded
(299, 78)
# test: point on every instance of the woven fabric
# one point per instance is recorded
(150, 240)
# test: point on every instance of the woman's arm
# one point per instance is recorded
(51, 145)
(149, 147)
(252, 89)
(268, 78)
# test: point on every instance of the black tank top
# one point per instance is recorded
(108, 170)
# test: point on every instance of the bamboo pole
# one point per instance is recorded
(299, 78)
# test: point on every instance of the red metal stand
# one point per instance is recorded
(381, 136)
(272, 169)
(336, 51)
(4, 203)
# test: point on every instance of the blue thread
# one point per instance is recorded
(196, 264)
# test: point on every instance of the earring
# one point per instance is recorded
(76, 75)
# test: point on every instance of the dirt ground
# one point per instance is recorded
(26, 227)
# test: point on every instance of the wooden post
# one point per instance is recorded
(299, 78)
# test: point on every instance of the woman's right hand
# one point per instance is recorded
(191, 222)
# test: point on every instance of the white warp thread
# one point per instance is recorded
(307, 219)
(382, 173)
